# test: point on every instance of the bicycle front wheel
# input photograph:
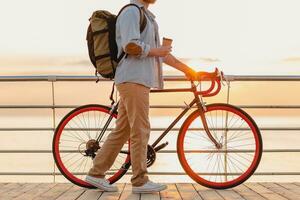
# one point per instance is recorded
(224, 167)
(75, 143)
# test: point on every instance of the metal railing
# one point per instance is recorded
(52, 79)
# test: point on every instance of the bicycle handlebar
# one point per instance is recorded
(214, 77)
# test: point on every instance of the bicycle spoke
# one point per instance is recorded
(246, 159)
(216, 124)
(70, 141)
(68, 146)
(71, 157)
(84, 121)
(69, 166)
(228, 167)
(65, 135)
(196, 138)
(241, 139)
(218, 168)
(236, 132)
(242, 145)
(98, 125)
(83, 171)
(241, 163)
(78, 127)
(231, 127)
(202, 136)
(66, 155)
(84, 127)
(89, 124)
(101, 126)
(209, 163)
(79, 166)
(75, 133)
(239, 169)
(233, 166)
(231, 148)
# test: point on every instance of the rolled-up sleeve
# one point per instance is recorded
(129, 24)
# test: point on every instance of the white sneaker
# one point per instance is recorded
(101, 183)
(149, 187)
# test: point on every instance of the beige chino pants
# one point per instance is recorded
(132, 122)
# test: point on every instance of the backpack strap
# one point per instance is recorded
(143, 19)
(111, 97)
(143, 23)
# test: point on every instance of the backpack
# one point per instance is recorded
(101, 41)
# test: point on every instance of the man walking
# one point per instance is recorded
(136, 74)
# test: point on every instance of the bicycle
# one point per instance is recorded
(218, 145)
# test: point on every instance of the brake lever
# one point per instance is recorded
(223, 79)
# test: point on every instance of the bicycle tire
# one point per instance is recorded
(198, 174)
(61, 128)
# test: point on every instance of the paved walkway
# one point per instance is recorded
(180, 191)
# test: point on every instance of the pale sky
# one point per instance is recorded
(238, 36)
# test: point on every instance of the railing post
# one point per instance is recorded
(53, 119)
(225, 132)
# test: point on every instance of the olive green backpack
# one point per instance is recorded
(101, 41)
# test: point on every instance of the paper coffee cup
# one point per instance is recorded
(167, 42)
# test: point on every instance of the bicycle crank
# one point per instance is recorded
(159, 147)
(151, 153)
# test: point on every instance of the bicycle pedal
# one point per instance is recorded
(161, 146)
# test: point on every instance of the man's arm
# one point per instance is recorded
(129, 24)
(174, 62)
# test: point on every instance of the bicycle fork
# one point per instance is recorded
(202, 108)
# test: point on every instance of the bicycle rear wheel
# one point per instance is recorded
(230, 165)
(76, 133)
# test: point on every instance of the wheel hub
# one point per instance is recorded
(92, 147)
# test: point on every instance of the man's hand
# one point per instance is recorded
(191, 74)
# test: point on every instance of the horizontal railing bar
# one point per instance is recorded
(158, 129)
(166, 151)
(151, 106)
(150, 173)
(238, 151)
(53, 78)
(261, 78)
